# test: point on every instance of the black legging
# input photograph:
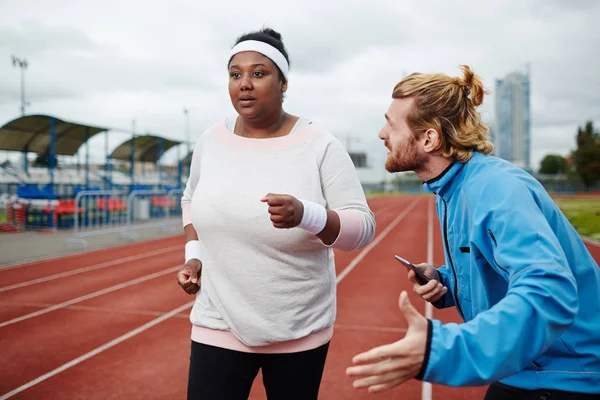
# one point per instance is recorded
(216, 373)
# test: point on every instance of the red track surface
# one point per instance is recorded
(101, 296)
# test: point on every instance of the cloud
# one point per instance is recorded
(319, 36)
(42, 39)
(66, 63)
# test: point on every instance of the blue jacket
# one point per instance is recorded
(522, 280)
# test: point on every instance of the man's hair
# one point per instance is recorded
(448, 105)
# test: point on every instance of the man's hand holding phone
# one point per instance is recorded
(432, 290)
(425, 279)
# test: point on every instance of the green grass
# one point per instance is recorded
(584, 214)
(374, 194)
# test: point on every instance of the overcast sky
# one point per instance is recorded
(109, 62)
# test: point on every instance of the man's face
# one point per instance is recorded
(406, 152)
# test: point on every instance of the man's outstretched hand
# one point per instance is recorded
(390, 365)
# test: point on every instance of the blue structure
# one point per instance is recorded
(52, 158)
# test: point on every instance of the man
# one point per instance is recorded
(516, 270)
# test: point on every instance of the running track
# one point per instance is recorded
(113, 324)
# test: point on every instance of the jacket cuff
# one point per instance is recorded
(427, 351)
(441, 302)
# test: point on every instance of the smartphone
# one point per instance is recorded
(421, 277)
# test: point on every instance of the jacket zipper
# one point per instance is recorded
(450, 258)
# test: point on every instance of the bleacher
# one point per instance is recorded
(29, 201)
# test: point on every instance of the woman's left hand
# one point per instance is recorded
(286, 211)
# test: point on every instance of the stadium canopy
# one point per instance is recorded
(45, 134)
(48, 135)
(143, 148)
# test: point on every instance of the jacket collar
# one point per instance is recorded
(444, 183)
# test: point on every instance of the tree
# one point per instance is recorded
(553, 164)
(587, 156)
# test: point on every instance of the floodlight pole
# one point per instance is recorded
(22, 64)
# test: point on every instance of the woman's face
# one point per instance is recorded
(255, 85)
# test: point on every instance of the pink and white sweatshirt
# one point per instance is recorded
(265, 289)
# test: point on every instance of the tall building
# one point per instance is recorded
(512, 133)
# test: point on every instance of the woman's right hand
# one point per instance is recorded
(431, 291)
(189, 276)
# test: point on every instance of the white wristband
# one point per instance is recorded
(314, 218)
(192, 250)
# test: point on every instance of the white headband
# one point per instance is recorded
(266, 50)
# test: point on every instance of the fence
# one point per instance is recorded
(17, 215)
(125, 216)
(12, 215)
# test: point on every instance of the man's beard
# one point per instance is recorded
(405, 158)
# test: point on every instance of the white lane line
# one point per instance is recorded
(96, 249)
(426, 393)
(97, 350)
(90, 268)
(591, 241)
(91, 295)
(132, 311)
(376, 241)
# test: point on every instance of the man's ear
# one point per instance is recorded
(431, 140)
(284, 85)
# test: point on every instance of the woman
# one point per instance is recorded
(270, 195)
